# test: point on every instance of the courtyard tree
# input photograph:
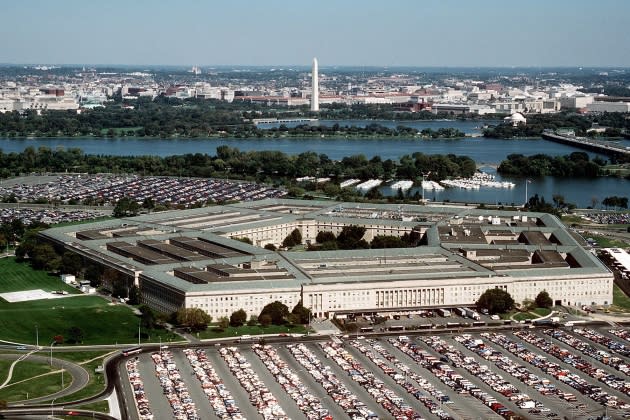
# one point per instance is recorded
(294, 238)
(495, 301)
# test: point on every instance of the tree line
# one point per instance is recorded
(577, 164)
(262, 166)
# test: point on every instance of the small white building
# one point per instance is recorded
(68, 278)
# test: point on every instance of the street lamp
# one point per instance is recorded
(423, 177)
(37, 335)
(527, 181)
(51, 407)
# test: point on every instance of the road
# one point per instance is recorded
(80, 377)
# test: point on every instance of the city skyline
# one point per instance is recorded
(279, 33)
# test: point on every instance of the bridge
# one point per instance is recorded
(602, 147)
(257, 121)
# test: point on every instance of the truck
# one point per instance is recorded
(444, 312)
(461, 312)
(472, 314)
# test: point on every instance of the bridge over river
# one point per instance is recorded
(605, 148)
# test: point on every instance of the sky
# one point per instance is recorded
(423, 33)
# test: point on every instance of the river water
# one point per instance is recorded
(484, 151)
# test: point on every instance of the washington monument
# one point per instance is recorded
(315, 84)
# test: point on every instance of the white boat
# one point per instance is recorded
(402, 185)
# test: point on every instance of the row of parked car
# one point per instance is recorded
(308, 403)
(173, 386)
(599, 338)
(618, 363)
(403, 375)
(506, 364)
(335, 388)
(387, 398)
(541, 361)
(142, 402)
(219, 396)
(259, 395)
(482, 372)
(444, 372)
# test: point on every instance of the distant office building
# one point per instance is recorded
(608, 107)
(315, 84)
(575, 101)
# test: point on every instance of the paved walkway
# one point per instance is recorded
(324, 327)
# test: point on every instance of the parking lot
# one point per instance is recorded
(532, 373)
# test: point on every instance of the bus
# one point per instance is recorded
(132, 350)
(366, 329)
(396, 328)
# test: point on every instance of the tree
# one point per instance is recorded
(270, 247)
(194, 318)
(134, 295)
(265, 320)
(543, 300)
(325, 236)
(224, 322)
(71, 263)
(351, 237)
(386, 241)
(294, 238)
(44, 257)
(147, 317)
(303, 314)
(75, 334)
(238, 318)
(253, 320)
(244, 239)
(126, 207)
(277, 310)
(496, 301)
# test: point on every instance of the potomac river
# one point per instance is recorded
(486, 152)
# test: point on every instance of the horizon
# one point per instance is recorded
(406, 33)
(308, 66)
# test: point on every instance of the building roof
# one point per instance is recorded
(460, 243)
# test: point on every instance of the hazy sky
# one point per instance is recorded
(291, 32)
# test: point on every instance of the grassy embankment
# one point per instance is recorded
(101, 321)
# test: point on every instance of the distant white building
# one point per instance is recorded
(516, 119)
(608, 107)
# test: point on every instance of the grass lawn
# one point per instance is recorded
(38, 387)
(569, 219)
(22, 371)
(522, 316)
(100, 321)
(20, 276)
(620, 300)
(604, 242)
(24, 380)
(542, 311)
(95, 385)
(100, 406)
(255, 330)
